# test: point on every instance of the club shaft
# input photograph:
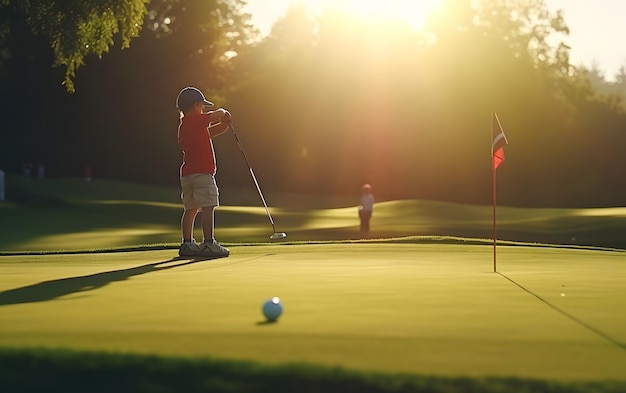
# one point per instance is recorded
(256, 183)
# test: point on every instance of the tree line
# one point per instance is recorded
(328, 102)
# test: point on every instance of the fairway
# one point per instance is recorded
(392, 307)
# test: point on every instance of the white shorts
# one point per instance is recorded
(199, 190)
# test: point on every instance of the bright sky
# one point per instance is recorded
(596, 27)
(596, 32)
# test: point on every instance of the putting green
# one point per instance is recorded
(549, 313)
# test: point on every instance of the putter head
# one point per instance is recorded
(278, 236)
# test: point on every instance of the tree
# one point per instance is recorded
(122, 118)
(352, 101)
(75, 29)
(133, 91)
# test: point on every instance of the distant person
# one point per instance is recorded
(88, 173)
(41, 170)
(197, 172)
(366, 208)
(27, 170)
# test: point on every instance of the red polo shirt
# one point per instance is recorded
(195, 141)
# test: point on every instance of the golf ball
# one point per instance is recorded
(272, 308)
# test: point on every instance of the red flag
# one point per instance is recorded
(498, 143)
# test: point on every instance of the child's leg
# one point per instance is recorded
(365, 217)
(208, 223)
(186, 223)
(209, 247)
(362, 219)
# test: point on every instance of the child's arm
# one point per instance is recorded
(221, 125)
(216, 115)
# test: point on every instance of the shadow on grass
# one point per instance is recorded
(266, 322)
(570, 316)
(53, 289)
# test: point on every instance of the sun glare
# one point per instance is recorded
(413, 12)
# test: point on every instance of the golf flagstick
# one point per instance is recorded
(497, 157)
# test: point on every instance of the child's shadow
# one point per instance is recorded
(53, 289)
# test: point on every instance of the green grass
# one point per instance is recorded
(70, 214)
(383, 308)
(417, 313)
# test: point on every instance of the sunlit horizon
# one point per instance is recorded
(589, 25)
(411, 12)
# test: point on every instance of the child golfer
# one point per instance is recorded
(366, 208)
(197, 172)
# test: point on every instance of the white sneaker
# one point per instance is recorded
(188, 249)
(212, 249)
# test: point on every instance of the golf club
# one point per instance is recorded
(275, 235)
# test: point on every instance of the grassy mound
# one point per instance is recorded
(71, 214)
